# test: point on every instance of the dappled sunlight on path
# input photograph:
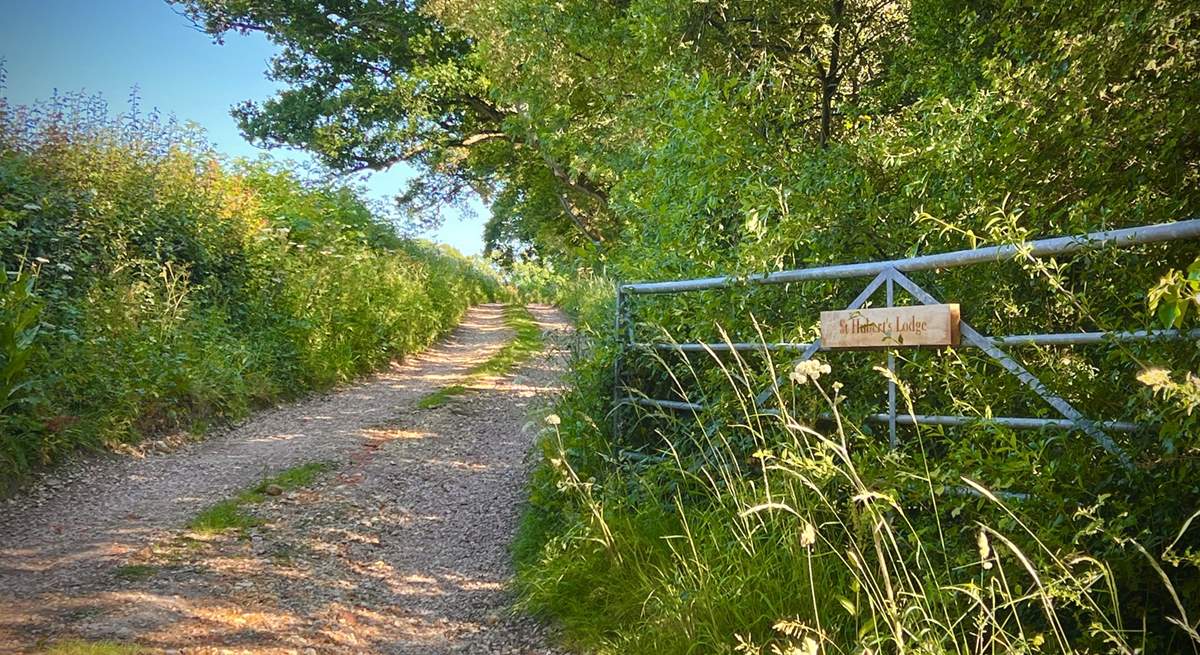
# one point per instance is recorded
(402, 548)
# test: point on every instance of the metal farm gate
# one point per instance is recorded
(888, 275)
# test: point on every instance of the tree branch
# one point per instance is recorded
(830, 80)
(581, 183)
(596, 239)
(480, 138)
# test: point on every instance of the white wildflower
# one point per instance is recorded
(1155, 377)
(553, 419)
(808, 535)
(809, 369)
(985, 549)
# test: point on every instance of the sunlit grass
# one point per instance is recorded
(231, 514)
(763, 535)
(225, 515)
(135, 572)
(441, 396)
(526, 341)
(292, 478)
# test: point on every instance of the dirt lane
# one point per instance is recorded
(401, 548)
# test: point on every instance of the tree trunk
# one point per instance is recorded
(831, 78)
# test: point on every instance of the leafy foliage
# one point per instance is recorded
(585, 296)
(19, 310)
(160, 288)
(658, 139)
(1175, 294)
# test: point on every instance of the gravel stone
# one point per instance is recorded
(402, 548)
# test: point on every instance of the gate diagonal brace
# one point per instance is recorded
(1028, 379)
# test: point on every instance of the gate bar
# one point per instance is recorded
(1053, 339)
(1082, 338)
(665, 404)
(1019, 422)
(1016, 422)
(1058, 245)
(621, 346)
(723, 347)
(891, 367)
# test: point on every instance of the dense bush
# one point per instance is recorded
(152, 285)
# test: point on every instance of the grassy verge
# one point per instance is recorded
(768, 536)
(231, 514)
(527, 340)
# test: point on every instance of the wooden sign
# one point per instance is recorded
(890, 327)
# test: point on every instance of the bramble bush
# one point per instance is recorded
(152, 285)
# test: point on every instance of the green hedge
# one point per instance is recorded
(153, 286)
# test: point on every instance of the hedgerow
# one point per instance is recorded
(152, 285)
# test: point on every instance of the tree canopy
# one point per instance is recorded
(373, 84)
(594, 127)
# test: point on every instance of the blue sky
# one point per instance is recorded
(111, 46)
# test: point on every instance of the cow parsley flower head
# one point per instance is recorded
(808, 534)
(1155, 377)
(809, 369)
(553, 419)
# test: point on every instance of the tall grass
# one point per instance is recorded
(755, 531)
(152, 285)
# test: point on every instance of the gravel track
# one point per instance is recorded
(401, 548)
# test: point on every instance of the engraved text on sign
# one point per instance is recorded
(890, 327)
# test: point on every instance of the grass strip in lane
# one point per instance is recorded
(231, 514)
(526, 342)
